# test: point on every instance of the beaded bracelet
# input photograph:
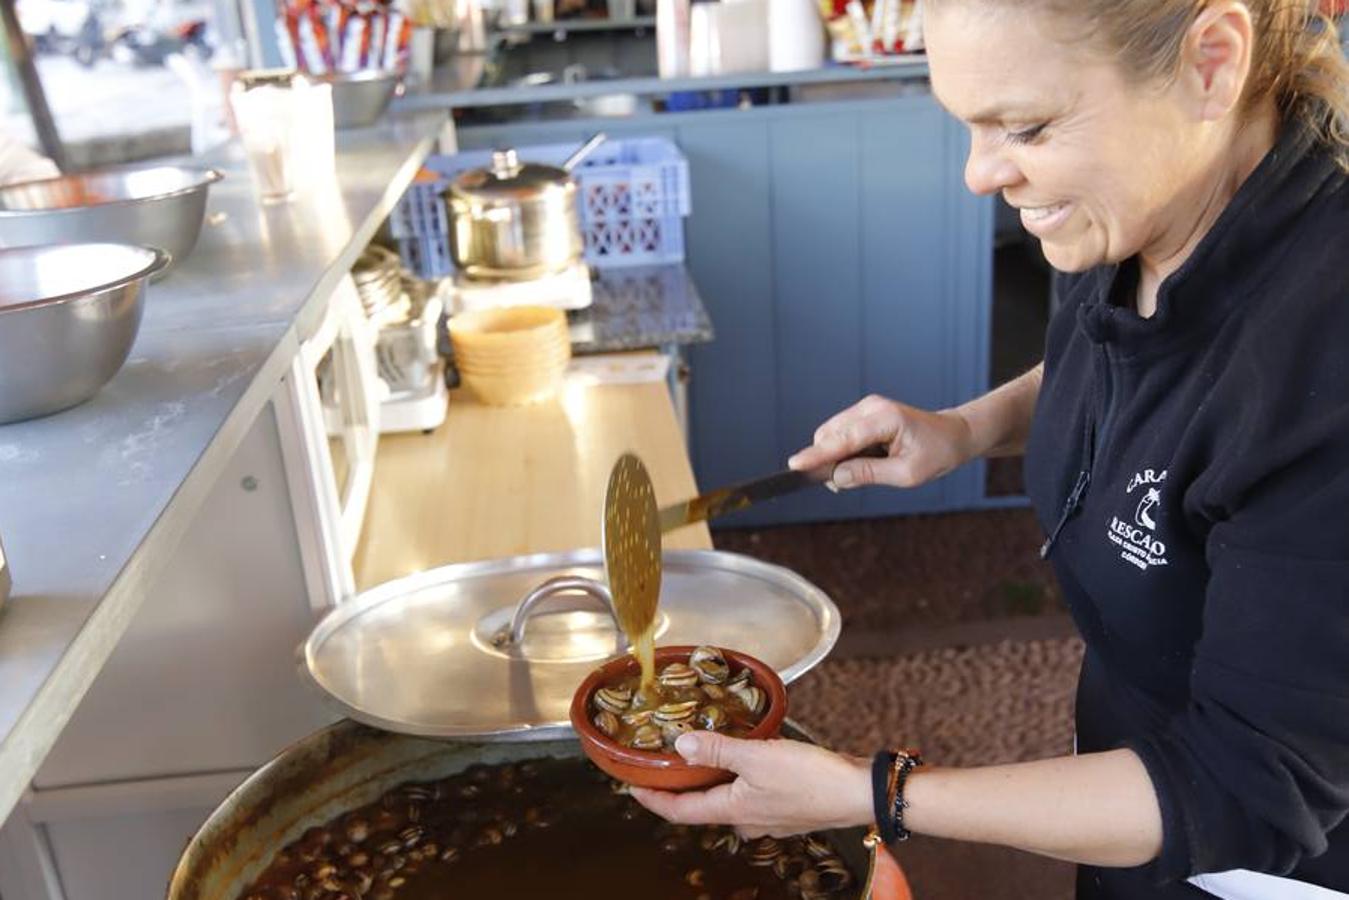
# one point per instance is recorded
(905, 762)
(889, 770)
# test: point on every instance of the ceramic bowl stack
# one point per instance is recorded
(513, 355)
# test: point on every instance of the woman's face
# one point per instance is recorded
(1101, 169)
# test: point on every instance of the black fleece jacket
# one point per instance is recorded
(1206, 556)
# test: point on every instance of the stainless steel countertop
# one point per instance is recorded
(93, 500)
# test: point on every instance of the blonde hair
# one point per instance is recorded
(1296, 62)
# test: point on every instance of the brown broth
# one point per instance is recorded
(542, 828)
(644, 648)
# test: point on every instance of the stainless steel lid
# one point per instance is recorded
(508, 180)
(433, 654)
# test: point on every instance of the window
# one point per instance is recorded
(128, 79)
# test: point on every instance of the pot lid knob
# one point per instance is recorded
(505, 163)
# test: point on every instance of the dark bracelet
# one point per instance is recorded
(905, 762)
(882, 767)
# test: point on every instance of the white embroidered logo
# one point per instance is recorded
(1137, 540)
(1150, 499)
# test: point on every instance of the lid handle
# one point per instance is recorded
(514, 633)
(505, 163)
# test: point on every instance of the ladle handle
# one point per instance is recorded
(584, 150)
(514, 634)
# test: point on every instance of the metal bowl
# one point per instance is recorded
(68, 317)
(360, 98)
(161, 207)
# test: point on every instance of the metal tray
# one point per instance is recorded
(423, 655)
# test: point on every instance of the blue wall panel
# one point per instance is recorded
(733, 397)
(817, 273)
(904, 233)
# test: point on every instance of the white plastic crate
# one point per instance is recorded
(632, 196)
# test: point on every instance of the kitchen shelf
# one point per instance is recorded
(564, 26)
(449, 90)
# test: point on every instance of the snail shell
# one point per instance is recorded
(710, 665)
(606, 722)
(678, 675)
(647, 737)
(613, 699)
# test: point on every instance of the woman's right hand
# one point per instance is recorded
(921, 445)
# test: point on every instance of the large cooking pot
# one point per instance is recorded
(338, 769)
(514, 220)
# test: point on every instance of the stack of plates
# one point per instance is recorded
(513, 355)
(379, 283)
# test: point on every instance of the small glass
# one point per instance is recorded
(265, 114)
(286, 126)
(314, 145)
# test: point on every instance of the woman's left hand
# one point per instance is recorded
(784, 787)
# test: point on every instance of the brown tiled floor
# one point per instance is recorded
(916, 571)
(954, 640)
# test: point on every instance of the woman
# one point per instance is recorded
(1183, 162)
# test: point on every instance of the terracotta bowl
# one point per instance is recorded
(658, 769)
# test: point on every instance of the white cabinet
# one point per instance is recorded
(204, 679)
(203, 687)
(106, 841)
(331, 477)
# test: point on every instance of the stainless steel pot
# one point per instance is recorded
(335, 770)
(68, 317)
(516, 221)
(160, 206)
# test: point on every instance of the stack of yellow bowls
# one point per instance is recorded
(513, 355)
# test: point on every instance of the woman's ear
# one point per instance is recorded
(1215, 60)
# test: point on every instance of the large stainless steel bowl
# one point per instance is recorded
(360, 98)
(68, 317)
(160, 206)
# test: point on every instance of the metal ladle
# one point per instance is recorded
(632, 545)
(580, 153)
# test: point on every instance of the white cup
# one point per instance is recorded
(288, 134)
(267, 130)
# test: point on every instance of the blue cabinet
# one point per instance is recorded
(839, 254)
